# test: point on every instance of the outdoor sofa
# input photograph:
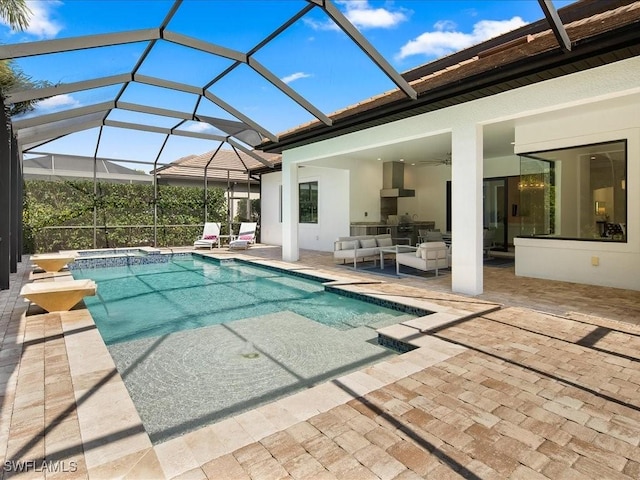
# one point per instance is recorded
(360, 247)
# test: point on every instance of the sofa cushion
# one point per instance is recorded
(349, 245)
(434, 251)
(384, 242)
(368, 243)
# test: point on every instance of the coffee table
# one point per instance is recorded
(395, 249)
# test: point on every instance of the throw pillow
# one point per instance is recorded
(368, 243)
(210, 237)
(350, 245)
(245, 237)
(384, 242)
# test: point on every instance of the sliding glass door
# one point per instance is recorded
(494, 196)
(501, 211)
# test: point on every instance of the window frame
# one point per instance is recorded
(313, 202)
(540, 155)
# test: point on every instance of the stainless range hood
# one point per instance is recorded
(393, 181)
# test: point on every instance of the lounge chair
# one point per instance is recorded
(427, 257)
(210, 236)
(246, 236)
(58, 296)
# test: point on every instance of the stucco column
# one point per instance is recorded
(290, 251)
(466, 208)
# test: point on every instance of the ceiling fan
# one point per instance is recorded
(443, 160)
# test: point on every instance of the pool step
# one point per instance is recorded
(398, 337)
(414, 333)
(439, 320)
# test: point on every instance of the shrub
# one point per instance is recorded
(60, 215)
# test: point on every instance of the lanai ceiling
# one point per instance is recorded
(166, 79)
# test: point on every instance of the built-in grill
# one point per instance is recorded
(406, 229)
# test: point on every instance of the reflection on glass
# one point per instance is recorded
(308, 206)
(494, 212)
(575, 193)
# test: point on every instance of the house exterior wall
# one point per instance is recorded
(270, 212)
(571, 261)
(333, 211)
(548, 114)
(430, 183)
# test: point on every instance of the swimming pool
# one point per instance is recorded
(139, 301)
(196, 341)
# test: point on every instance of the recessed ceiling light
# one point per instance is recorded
(413, 164)
(402, 159)
(379, 159)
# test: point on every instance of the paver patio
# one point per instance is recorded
(545, 387)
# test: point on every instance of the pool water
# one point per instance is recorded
(141, 301)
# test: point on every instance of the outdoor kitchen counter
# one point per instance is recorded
(373, 228)
(368, 228)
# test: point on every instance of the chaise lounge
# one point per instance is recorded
(246, 236)
(210, 236)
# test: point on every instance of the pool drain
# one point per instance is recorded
(249, 351)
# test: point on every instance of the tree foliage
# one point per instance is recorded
(241, 214)
(12, 78)
(16, 13)
(60, 215)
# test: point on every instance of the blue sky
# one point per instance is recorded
(313, 57)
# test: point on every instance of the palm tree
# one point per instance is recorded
(16, 13)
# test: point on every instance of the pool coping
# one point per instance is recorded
(105, 410)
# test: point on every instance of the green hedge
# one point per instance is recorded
(124, 214)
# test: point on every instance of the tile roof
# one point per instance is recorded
(192, 166)
(78, 163)
(485, 62)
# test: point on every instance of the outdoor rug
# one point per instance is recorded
(390, 271)
(390, 268)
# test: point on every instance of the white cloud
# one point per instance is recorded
(198, 127)
(363, 16)
(295, 76)
(55, 103)
(445, 25)
(445, 40)
(41, 23)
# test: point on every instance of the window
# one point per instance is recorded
(575, 193)
(308, 206)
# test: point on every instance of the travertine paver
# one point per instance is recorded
(500, 411)
(516, 393)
